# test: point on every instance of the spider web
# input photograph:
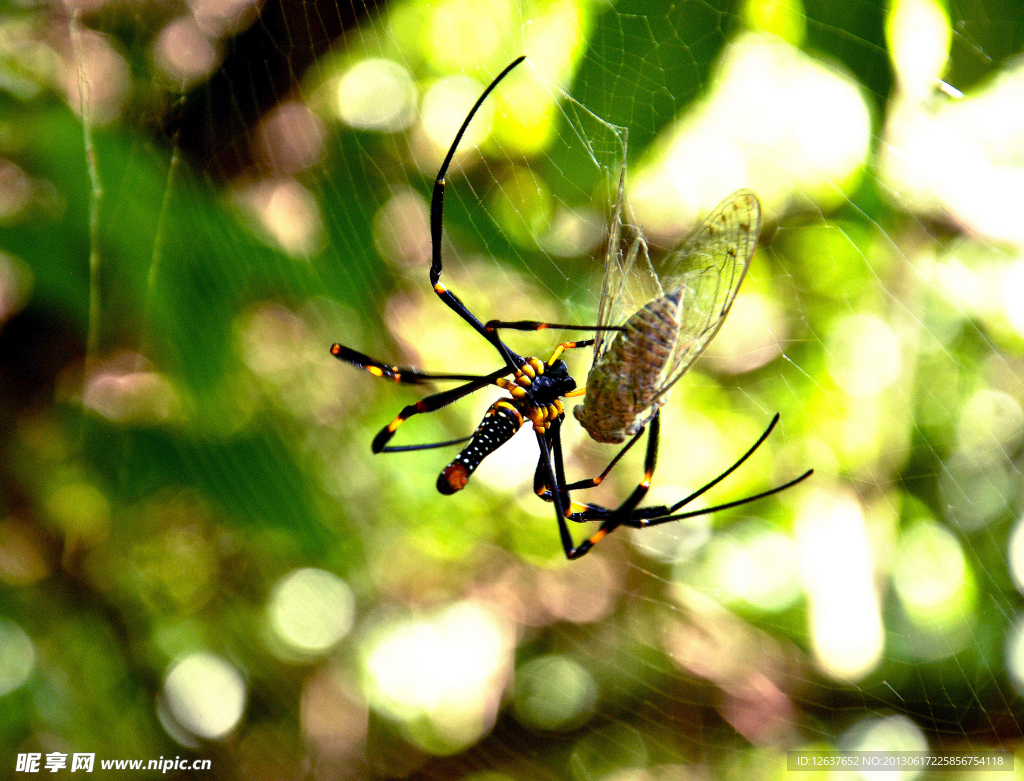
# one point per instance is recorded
(205, 560)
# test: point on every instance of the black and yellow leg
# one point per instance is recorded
(437, 224)
(642, 517)
(429, 404)
(557, 353)
(592, 482)
(624, 511)
(644, 522)
(401, 374)
(549, 481)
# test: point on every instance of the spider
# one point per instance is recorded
(536, 389)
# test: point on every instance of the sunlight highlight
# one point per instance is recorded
(377, 94)
(287, 215)
(184, 53)
(890, 734)
(441, 676)
(934, 582)
(17, 656)
(959, 155)
(864, 355)
(836, 567)
(205, 695)
(553, 692)
(776, 121)
(444, 108)
(310, 611)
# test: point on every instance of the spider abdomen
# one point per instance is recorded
(502, 420)
(625, 387)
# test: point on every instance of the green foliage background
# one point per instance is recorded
(130, 540)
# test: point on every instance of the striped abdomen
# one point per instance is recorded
(502, 420)
(627, 379)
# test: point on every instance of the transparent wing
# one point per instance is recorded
(629, 281)
(709, 268)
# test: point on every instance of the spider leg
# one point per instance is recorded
(401, 374)
(730, 470)
(436, 228)
(537, 325)
(655, 515)
(612, 519)
(544, 493)
(429, 404)
(545, 475)
(643, 523)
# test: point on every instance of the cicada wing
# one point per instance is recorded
(629, 280)
(709, 268)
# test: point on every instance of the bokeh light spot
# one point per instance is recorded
(890, 734)
(864, 355)
(401, 229)
(977, 487)
(1015, 655)
(17, 656)
(836, 567)
(287, 214)
(311, 610)
(205, 695)
(445, 107)
(757, 566)
(553, 692)
(377, 94)
(932, 578)
(449, 669)
(184, 53)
